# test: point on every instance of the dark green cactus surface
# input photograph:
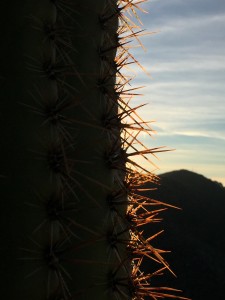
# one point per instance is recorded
(69, 204)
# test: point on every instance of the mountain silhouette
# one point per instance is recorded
(195, 234)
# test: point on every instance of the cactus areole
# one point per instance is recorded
(71, 213)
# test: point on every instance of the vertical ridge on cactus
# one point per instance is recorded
(71, 207)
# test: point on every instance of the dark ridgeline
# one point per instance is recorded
(195, 234)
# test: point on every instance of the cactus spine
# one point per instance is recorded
(70, 207)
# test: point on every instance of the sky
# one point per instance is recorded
(186, 91)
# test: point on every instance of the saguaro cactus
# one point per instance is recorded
(70, 207)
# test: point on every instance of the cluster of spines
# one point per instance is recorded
(52, 98)
(138, 212)
(128, 210)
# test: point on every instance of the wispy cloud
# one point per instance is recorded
(187, 94)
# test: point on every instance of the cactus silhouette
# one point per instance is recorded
(71, 212)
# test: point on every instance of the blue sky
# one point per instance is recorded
(186, 91)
